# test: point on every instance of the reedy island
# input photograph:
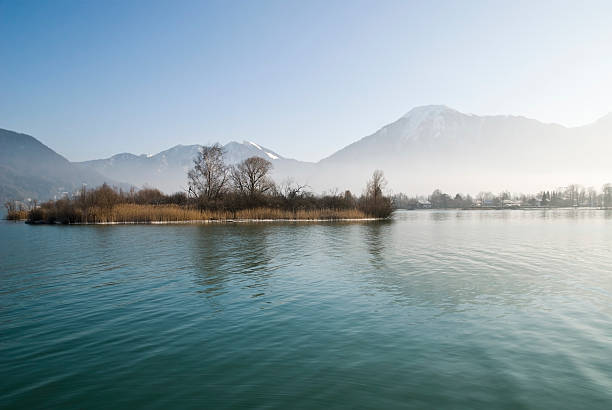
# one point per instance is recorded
(216, 192)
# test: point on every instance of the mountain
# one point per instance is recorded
(167, 170)
(429, 147)
(436, 146)
(30, 169)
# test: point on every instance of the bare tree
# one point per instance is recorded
(575, 194)
(251, 177)
(10, 206)
(485, 198)
(374, 201)
(209, 175)
(375, 186)
(503, 196)
(290, 189)
(606, 195)
(592, 196)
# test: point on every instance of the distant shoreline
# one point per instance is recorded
(522, 208)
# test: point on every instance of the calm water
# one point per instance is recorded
(500, 309)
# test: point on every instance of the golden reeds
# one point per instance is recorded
(311, 214)
(135, 213)
(17, 215)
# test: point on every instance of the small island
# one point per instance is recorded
(216, 192)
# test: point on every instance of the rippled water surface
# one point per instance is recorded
(468, 309)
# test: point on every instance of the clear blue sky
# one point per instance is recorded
(94, 78)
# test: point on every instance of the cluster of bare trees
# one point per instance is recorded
(18, 210)
(213, 184)
(374, 202)
(573, 195)
(209, 175)
(211, 179)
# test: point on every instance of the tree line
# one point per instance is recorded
(573, 195)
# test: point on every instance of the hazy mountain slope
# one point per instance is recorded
(435, 146)
(30, 169)
(429, 147)
(167, 170)
(283, 168)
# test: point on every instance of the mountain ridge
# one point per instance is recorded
(30, 169)
(429, 146)
(444, 147)
(167, 169)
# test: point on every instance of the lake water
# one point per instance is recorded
(434, 309)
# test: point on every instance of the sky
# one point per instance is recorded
(303, 78)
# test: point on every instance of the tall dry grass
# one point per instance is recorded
(135, 213)
(17, 215)
(313, 214)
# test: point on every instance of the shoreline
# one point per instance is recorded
(523, 208)
(208, 221)
(293, 220)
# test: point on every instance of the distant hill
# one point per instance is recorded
(167, 170)
(30, 169)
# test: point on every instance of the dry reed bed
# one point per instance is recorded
(133, 213)
(20, 215)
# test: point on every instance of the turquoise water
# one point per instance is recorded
(449, 309)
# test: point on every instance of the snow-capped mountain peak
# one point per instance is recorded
(269, 153)
(253, 144)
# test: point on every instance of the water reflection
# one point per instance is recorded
(375, 242)
(231, 256)
(440, 216)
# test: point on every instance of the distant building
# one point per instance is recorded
(423, 204)
(488, 203)
(510, 204)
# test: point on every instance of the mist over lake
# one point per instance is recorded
(438, 309)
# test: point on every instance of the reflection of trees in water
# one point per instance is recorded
(227, 255)
(444, 267)
(567, 213)
(440, 216)
(374, 238)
